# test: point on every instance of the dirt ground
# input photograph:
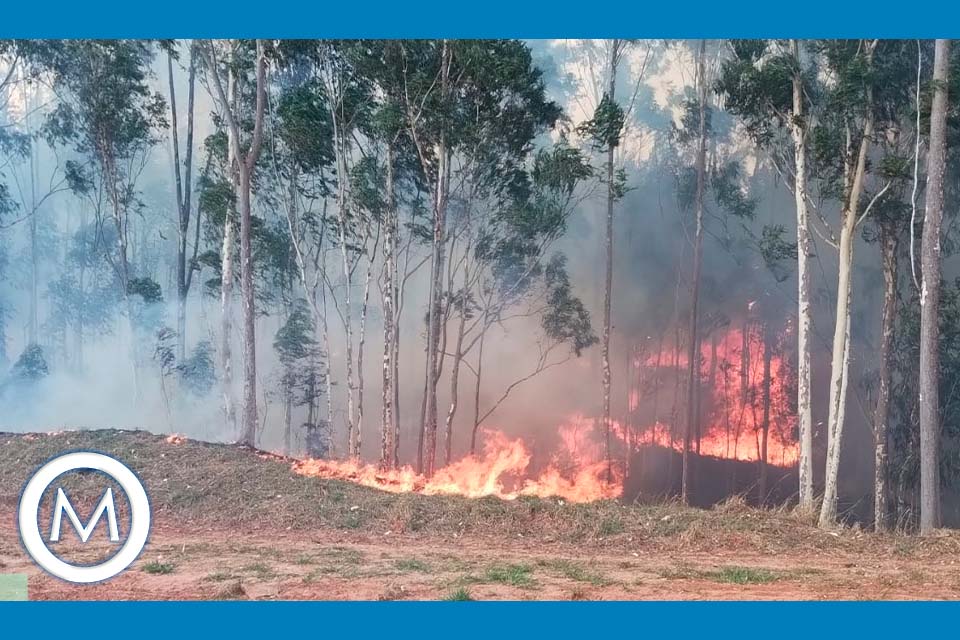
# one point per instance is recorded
(231, 523)
(283, 565)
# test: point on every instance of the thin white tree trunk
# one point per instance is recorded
(389, 316)
(840, 361)
(804, 319)
(608, 274)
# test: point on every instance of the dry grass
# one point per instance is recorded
(193, 483)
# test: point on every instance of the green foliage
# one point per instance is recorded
(687, 131)
(146, 303)
(725, 182)
(147, 289)
(606, 126)
(560, 169)
(513, 574)
(304, 126)
(756, 83)
(566, 318)
(163, 353)
(198, 371)
(905, 394)
(777, 253)
(30, 367)
(106, 107)
(85, 297)
(302, 377)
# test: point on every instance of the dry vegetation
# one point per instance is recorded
(233, 523)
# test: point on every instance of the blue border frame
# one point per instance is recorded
(479, 19)
(482, 19)
(482, 620)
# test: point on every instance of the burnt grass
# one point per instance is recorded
(199, 484)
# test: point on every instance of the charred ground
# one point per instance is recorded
(231, 522)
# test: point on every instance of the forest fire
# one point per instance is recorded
(743, 378)
(502, 469)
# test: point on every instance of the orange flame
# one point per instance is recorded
(500, 470)
(732, 421)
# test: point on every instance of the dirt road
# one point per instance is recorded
(215, 564)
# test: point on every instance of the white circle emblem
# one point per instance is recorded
(27, 517)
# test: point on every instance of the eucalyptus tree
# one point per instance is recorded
(107, 113)
(472, 110)
(183, 181)
(764, 83)
(302, 375)
(85, 296)
(930, 425)
(401, 209)
(327, 170)
(862, 103)
(693, 347)
(896, 164)
(243, 153)
(13, 146)
(503, 269)
(604, 130)
(358, 213)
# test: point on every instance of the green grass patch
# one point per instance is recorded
(342, 555)
(611, 526)
(576, 572)
(460, 594)
(412, 565)
(730, 574)
(220, 576)
(742, 575)
(514, 575)
(260, 570)
(158, 568)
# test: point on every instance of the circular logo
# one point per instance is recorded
(28, 521)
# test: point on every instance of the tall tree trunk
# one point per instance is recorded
(693, 356)
(435, 311)
(183, 182)
(804, 316)
(765, 425)
(227, 99)
(33, 329)
(838, 373)
(226, 321)
(242, 167)
(397, 296)
(476, 388)
(881, 491)
(389, 316)
(608, 278)
(249, 315)
(930, 297)
(840, 361)
(454, 386)
(361, 344)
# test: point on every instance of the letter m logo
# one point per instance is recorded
(62, 505)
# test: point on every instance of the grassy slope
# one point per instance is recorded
(196, 483)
